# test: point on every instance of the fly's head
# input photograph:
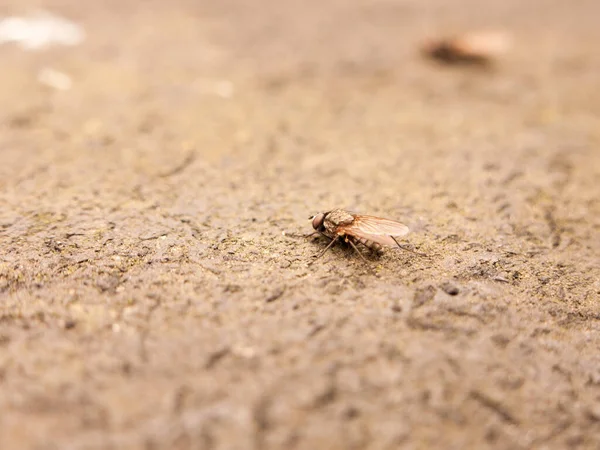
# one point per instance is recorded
(318, 222)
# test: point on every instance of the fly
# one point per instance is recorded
(370, 231)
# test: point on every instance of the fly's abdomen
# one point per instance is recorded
(372, 245)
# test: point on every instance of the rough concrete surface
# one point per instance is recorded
(155, 290)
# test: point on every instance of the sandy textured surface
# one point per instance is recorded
(148, 298)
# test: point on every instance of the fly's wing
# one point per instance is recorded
(375, 229)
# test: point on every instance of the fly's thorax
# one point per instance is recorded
(337, 217)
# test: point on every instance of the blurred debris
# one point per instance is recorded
(55, 79)
(476, 48)
(69, 324)
(276, 294)
(423, 295)
(40, 30)
(188, 160)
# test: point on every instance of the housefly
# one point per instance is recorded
(370, 231)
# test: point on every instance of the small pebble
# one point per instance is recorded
(275, 295)
(423, 295)
(449, 288)
(593, 412)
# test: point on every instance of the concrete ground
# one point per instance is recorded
(155, 290)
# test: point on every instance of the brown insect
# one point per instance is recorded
(370, 231)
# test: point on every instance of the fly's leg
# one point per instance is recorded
(299, 236)
(357, 250)
(408, 249)
(333, 241)
(295, 235)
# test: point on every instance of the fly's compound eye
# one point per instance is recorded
(317, 222)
